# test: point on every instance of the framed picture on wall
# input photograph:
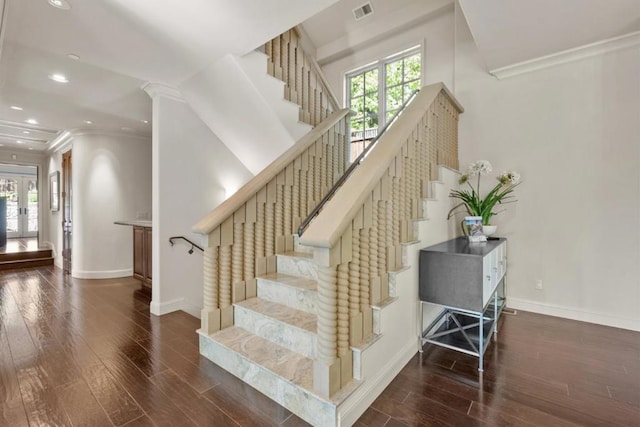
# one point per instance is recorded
(54, 191)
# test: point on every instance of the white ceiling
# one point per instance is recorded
(511, 31)
(124, 43)
(121, 45)
(335, 32)
(506, 31)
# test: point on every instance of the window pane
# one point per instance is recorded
(356, 123)
(412, 67)
(371, 108)
(371, 81)
(390, 114)
(357, 85)
(32, 205)
(394, 97)
(394, 73)
(411, 87)
(357, 105)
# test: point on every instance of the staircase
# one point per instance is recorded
(323, 323)
(31, 258)
(273, 343)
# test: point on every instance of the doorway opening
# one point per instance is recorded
(19, 185)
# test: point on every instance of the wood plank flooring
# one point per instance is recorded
(87, 352)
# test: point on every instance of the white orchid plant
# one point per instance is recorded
(470, 199)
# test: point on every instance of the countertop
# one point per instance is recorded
(135, 223)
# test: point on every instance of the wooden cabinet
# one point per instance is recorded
(142, 255)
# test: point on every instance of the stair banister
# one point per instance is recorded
(249, 228)
(212, 220)
(357, 237)
(305, 223)
(305, 83)
(333, 99)
(338, 213)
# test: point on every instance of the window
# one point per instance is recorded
(376, 92)
(402, 78)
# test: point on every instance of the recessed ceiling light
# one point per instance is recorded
(31, 121)
(126, 128)
(145, 121)
(19, 142)
(26, 132)
(60, 4)
(88, 122)
(30, 148)
(1, 145)
(60, 78)
(15, 107)
(73, 56)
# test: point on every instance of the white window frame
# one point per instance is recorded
(381, 65)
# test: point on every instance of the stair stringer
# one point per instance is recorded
(254, 64)
(226, 99)
(397, 322)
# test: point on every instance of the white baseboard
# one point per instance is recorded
(363, 397)
(191, 309)
(166, 307)
(108, 274)
(49, 245)
(573, 313)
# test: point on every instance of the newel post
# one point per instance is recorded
(333, 368)
(210, 315)
(326, 368)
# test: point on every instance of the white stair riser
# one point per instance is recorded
(295, 266)
(295, 339)
(298, 400)
(300, 299)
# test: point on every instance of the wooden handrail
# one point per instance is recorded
(193, 245)
(337, 214)
(213, 219)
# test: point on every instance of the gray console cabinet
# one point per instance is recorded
(463, 277)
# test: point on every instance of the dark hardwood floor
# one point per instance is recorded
(80, 352)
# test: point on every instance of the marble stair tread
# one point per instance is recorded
(291, 281)
(285, 363)
(297, 254)
(291, 316)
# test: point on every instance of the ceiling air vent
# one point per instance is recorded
(362, 11)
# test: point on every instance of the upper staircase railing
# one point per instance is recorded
(305, 84)
(357, 237)
(247, 230)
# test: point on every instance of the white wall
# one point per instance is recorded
(572, 132)
(436, 37)
(193, 173)
(111, 181)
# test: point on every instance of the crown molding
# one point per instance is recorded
(569, 55)
(158, 89)
(64, 140)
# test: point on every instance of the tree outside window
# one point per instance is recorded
(377, 92)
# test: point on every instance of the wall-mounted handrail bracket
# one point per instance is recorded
(193, 245)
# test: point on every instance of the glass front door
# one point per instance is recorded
(21, 193)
